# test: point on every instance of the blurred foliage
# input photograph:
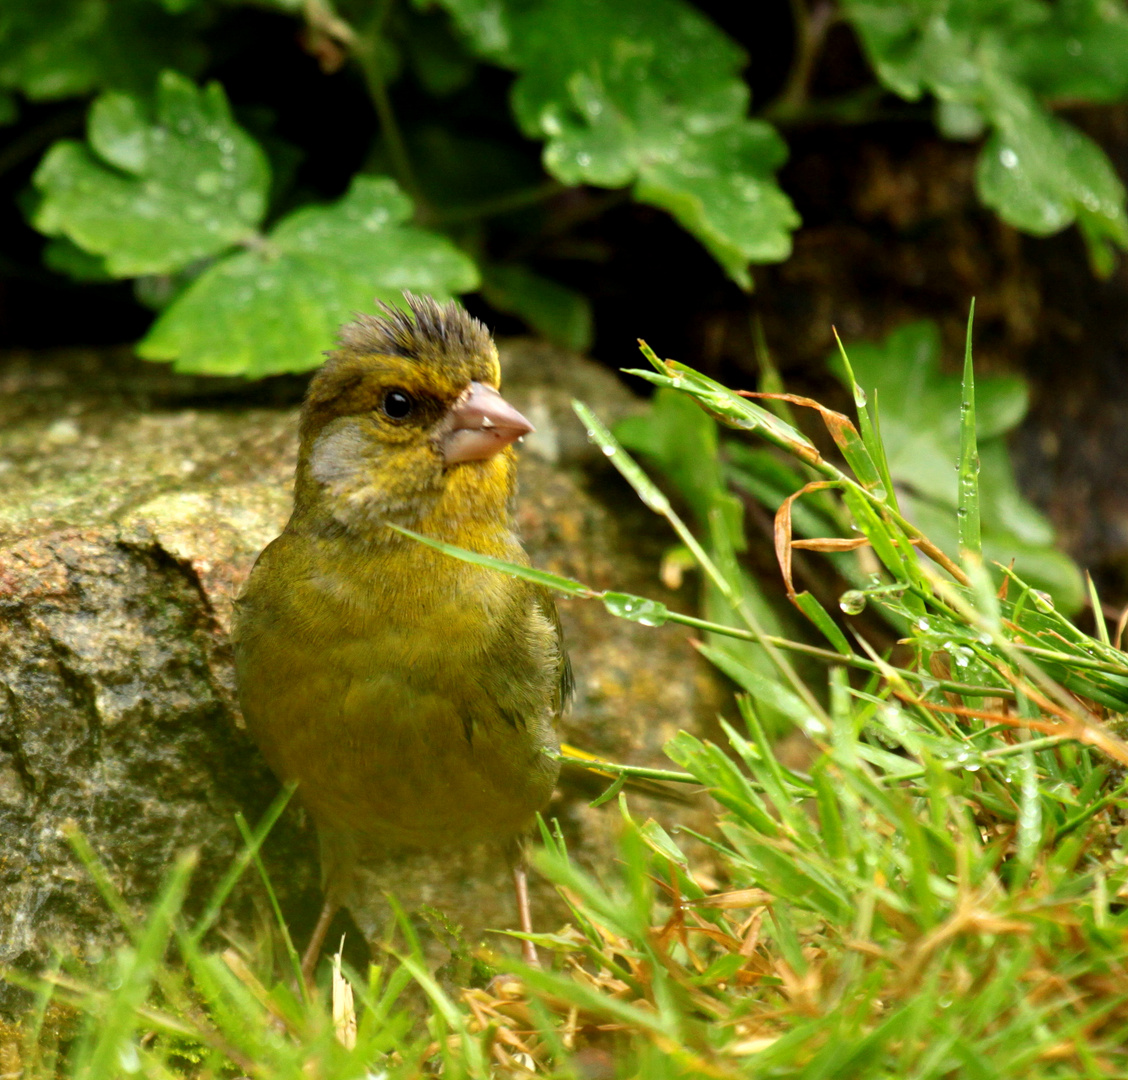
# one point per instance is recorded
(197, 205)
(998, 65)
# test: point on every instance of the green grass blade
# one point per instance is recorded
(241, 862)
(112, 1048)
(654, 498)
(291, 952)
(814, 611)
(1098, 611)
(527, 573)
(967, 510)
(871, 439)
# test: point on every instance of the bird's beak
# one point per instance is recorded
(481, 423)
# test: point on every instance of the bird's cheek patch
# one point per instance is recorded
(339, 455)
(364, 483)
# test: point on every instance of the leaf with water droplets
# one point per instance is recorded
(1041, 174)
(158, 185)
(644, 92)
(990, 62)
(278, 307)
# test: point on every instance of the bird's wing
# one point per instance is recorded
(566, 684)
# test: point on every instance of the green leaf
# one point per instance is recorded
(485, 25)
(52, 49)
(60, 255)
(1078, 51)
(644, 92)
(440, 61)
(277, 307)
(1041, 174)
(986, 61)
(561, 314)
(156, 188)
(721, 188)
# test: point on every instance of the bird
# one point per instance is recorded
(413, 698)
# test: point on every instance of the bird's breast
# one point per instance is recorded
(412, 701)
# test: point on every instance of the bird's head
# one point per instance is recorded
(404, 413)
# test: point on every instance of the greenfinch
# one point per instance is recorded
(412, 696)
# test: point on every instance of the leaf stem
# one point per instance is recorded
(500, 204)
(366, 50)
(810, 30)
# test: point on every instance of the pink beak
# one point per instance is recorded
(482, 423)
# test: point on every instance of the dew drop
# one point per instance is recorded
(635, 608)
(852, 602)
(128, 1058)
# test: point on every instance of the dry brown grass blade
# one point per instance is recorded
(782, 531)
(344, 1012)
(1090, 732)
(831, 543)
(836, 423)
(238, 967)
(735, 898)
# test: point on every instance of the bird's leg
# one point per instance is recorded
(317, 939)
(524, 918)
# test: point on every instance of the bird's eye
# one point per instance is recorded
(397, 404)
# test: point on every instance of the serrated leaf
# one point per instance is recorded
(276, 308)
(156, 188)
(988, 59)
(52, 49)
(721, 188)
(644, 92)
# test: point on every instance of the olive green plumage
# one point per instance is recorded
(411, 695)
